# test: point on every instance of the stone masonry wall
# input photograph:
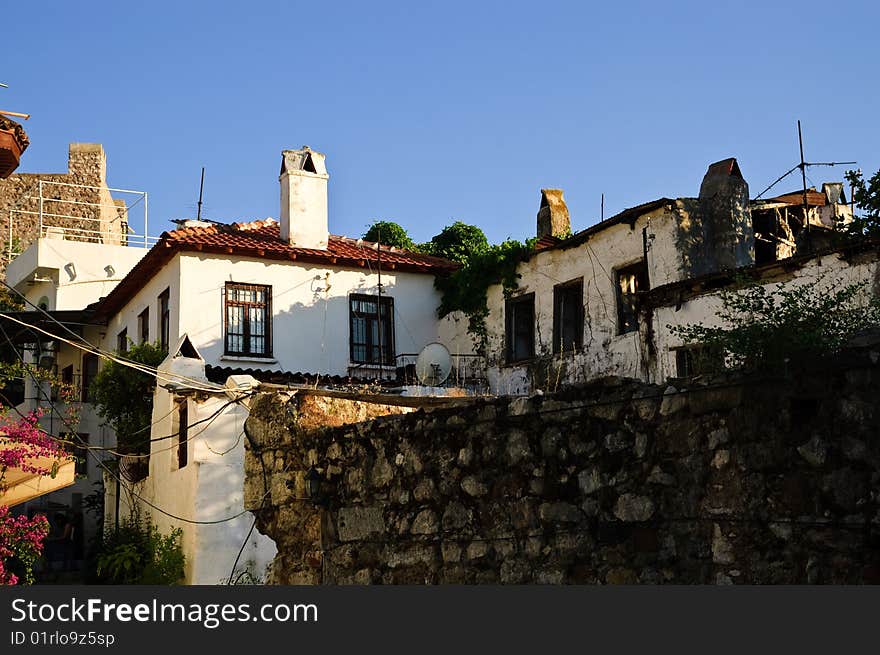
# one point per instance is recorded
(738, 481)
(87, 166)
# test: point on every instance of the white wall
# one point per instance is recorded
(210, 487)
(310, 326)
(77, 270)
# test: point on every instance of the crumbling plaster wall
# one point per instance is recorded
(841, 268)
(604, 351)
(742, 481)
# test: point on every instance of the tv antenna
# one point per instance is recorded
(802, 165)
(201, 188)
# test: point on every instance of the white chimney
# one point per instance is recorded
(304, 198)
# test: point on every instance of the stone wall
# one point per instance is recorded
(78, 210)
(735, 481)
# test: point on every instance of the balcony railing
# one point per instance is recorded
(77, 212)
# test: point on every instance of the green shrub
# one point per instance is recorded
(139, 554)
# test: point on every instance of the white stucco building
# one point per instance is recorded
(264, 298)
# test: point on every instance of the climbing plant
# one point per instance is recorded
(466, 289)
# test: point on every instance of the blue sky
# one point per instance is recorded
(431, 113)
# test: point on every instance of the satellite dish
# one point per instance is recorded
(433, 365)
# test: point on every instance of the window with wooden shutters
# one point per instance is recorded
(247, 324)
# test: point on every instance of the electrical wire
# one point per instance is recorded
(91, 348)
(101, 463)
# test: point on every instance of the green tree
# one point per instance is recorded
(389, 233)
(458, 242)
(866, 196)
(123, 397)
(766, 328)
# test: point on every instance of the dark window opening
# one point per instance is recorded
(568, 316)
(144, 325)
(371, 324)
(182, 434)
(122, 341)
(67, 374)
(309, 165)
(80, 451)
(520, 327)
(246, 320)
(164, 318)
(631, 281)
(89, 371)
(697, 360)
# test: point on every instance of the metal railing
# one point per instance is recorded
(59, 210)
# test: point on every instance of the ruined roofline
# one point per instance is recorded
(677, 292)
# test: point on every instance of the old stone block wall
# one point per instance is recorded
(735, 481)
(74, 208)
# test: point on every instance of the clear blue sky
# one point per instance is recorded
(430, 113)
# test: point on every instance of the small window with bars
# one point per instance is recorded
(247, 325)
(372, 329)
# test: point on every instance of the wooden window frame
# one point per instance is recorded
(560, 291)
(164, 304)
(122, 341)
(384, 314)
(143, 324)
(628, 301)
(511, 307)
(265, 307)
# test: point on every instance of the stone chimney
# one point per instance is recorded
(304, 198)
(553, 219)
(726, 218)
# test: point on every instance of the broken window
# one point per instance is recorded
(371, 329)
(568, 316)
(631, 281)
(246, 320)
(697, 360)
(520, 327)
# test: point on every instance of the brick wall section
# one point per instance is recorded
(743, 481)
(87, 166)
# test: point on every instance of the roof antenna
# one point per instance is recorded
(602, 209)
(201, 188)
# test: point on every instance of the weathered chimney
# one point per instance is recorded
(726, 218)
(304, 198)
(553, 218)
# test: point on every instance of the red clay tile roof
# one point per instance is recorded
(261, 240)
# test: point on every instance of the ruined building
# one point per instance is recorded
(603, 301)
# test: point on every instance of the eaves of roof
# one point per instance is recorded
(260, 240)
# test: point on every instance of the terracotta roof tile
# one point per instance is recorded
(262, 240)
